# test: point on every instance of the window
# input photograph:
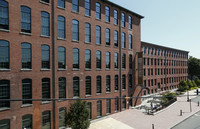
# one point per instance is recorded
(107, 36)
(116, 61)
(107, 60)
(129, 22)
(62, 87)
(124, 61)
(75, 6)
(4, 22)
(25, 19)
(27, 121)
(123, 82)
(62, 117)
(61, 27)
(61, 58)
(130, 61)
(116, 82)
(88, 85)
(123, 40)
(75, 30)
(98, 35)
(98, 81)
(123, 20)
(4, 93)
(124, 102)
(130, 41)
(130, 82)
(26, 56)
(87, 59)
(4, 54)
(116, 104)
(87, 33)
(107, 13)
(76, 86)
(98, 11)
(5, 124)
(98, 59)
(87, 7)
(115, 17)
(89, 106)
(108, 83)
(75, 58)
(108, 106)
(45, 88)
(45, 57)
(61, 3)
(98, 108)
(116, 38)
(46, 1)
(27, 91)
(45, 24)
(46, 120)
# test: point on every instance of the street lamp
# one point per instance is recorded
(188, 93)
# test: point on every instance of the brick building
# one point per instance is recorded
(163, 67)
(65, 49)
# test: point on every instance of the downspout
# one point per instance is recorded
(53, 64)
(120, 58)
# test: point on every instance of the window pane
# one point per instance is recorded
(5, 124)
(75, 6)
(4, 54)
(130, 61)
(123, 81)
(75, 58)
(87, 33)
(123, 40)
(108, 106)
(27, 91)
(108, 60)
(26, 55)
(62, 87)
(61, 3)
(88, 85)
(130, 22)
(116, 38)
(62, 117)
(107, 12)
(88, 59)
(46, 88)
(116, 60)
(123, 20)
(4, 22)
(89, 106)
(61, 58)
(108, 83)
(98, 11)
(27, 122)
(46, 120)
(4, 93)
(98, 84)
(61, 27)
(130, 41)
(45, 24)
(116, 104)
(124, 61)
(98, 35)
(99, 108)
(87, 7)
(75, 30)
(45, 57)
(116, 82)
(115, 17)
(98, 60)
(107, 36)
(76, 86)
(25, 19)
(130, 81)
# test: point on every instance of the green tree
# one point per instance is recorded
(189, 83)
(197, 81)
(194, 84)
(182, 86)
(78, 115)
(193, 66)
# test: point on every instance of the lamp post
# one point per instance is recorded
(188, 93)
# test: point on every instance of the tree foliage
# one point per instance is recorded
(197, 81)
(189, 83)
(182, 86)
(193, 66)
(78, 115)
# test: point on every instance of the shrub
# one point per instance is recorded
(182, 86)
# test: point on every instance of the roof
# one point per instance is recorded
(142, 42)
(138, 15)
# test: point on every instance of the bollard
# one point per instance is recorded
(198, 103)
(152, 126)
(181, 112)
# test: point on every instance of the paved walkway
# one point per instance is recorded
(135, 119)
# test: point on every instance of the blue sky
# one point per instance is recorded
(172, 23)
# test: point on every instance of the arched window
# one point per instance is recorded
(4, 93)
(4, 54)
(25, 19)
(76, 91)
(26, 56)
(62, 87)
(87, 33)
(75, 58)
(98, 84)
(27, 91)
(61, 58)
(45, 88)
(4, 21)
(88, 85)
(45, 54)
(45, 23)
(61, 27)
(27, 121)
(75, 30)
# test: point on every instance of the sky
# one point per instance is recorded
(170, 23)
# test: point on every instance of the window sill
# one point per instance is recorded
(44, 3)
(116, 24)
(107, 45)
(87, 42)
(76, 97)
(60, 8)
(130, 29)
(130, 49)
(61, 69)
(123, 69)
(87, 69)
(24, 33)
(107, 22)
(5, 69)
(26, 69)
(124, 27)
(116, 69)
(98, 69)
(75, 69)
(98, 44)
(88, 95)
(116, 47)
(98, 19)
(123, 89)
(61, 39)
(45, 70)
(4, 109)
(76, 41)
(108, 92)
(44, 36)
(124, 48)
(98, 93)
(46, 102)
(26, 105)
(88, 16)
(116, 90)
(4, 30)
(75, 12)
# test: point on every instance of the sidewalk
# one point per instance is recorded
(136, 119)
